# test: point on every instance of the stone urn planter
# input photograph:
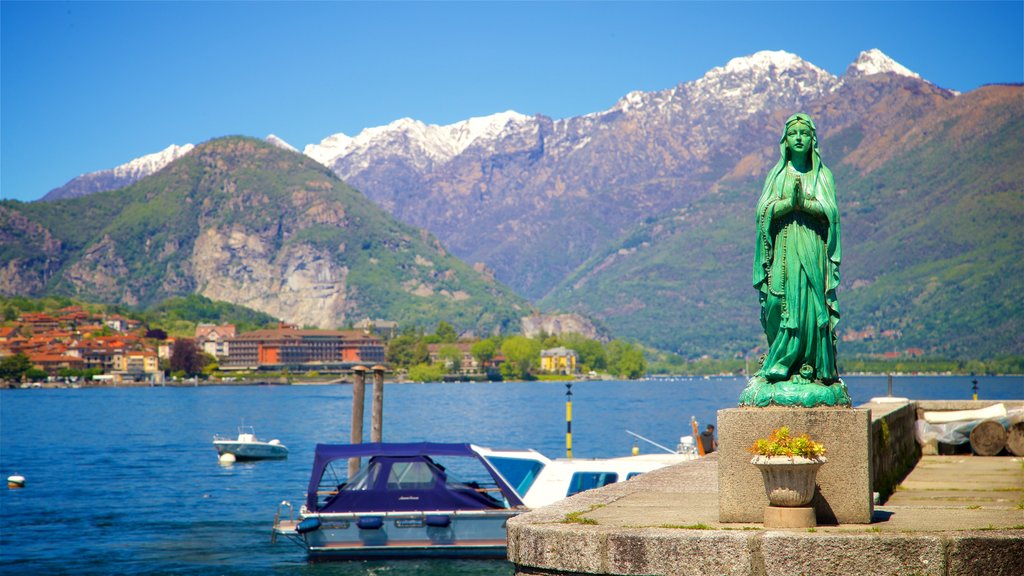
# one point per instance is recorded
(789, 466)
(788, 480)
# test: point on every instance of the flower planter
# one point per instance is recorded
(788, 480)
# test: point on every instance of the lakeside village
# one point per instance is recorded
(73, 347)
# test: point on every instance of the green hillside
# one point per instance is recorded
(240, 220)
(932, 240)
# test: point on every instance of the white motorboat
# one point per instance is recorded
(540, 480)
(247, 447)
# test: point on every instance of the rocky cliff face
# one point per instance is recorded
(250, 223)
(557, 324)
(301, 283)
(29, 254)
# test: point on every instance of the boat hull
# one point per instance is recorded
(446, 534)
(251, 451)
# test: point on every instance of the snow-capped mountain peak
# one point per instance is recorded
(874, 61)
(150, 163)
(749, 83)
(277, 141)
(765, 60)
(119, 176)
(429, 142)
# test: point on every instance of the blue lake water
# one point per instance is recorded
(126, 480)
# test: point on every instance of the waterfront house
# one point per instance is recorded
(213, 339)
(53, 363)
(559, 360)
(467, 364)
(137, 364)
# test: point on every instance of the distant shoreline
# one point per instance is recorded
(209, 383)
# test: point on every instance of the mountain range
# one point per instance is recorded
(640, 216)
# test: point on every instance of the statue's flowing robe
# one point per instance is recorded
(796, 273)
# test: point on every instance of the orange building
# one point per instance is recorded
(290, 347)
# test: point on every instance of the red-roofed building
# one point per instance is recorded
(72, 315)
(39, 322)
(7, 333)
(53, 363)
(213, 339)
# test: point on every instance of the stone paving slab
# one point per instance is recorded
(666, 522)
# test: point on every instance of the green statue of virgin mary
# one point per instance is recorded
(796, 272)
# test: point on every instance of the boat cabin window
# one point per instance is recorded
(586, 480)
(519, 472)
(410, 476)
(365, 479)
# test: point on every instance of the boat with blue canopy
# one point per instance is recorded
(409, 499)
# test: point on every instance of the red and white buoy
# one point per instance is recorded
(15, 481)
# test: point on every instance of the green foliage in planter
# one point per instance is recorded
(781, 443)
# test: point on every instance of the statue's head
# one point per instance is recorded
(799, 138)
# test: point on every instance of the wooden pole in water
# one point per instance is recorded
(358, 406)
(377, 417)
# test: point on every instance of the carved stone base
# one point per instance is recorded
(797, 391)
(779, 517)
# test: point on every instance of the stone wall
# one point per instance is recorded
(894, 449)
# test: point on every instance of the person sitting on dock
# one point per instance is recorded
(707, 439)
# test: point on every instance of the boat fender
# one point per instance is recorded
(308, 525)
(370, 522)
(438, 520)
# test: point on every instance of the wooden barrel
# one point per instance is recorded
(988, 438)
(1015, 439)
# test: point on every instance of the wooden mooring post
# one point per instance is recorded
(358, 406)
(377, 418)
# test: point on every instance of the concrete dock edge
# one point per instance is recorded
(665, 522)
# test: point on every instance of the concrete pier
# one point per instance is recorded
(952, 516)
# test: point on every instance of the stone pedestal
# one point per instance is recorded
(779, 517)
(844, 494)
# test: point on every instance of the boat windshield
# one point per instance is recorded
(518, 472)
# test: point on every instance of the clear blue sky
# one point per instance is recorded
(87, 86)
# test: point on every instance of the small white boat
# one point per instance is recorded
(247, 447)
